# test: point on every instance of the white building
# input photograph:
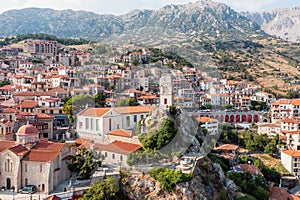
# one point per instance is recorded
(95, 122)
(291, 161)
(268, 129)
(210, 124)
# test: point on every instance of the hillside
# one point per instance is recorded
(206, 18)
(283, 23)
(209, 35)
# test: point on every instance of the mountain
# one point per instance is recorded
(283, 23)
(204, 18)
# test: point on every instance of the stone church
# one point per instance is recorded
(33, 161)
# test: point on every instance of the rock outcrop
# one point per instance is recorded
(208, 182)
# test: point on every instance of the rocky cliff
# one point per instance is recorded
(283, 23)
(208, 182)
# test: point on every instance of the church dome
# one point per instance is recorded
(27, 130)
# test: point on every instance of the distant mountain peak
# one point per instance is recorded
(282, 22)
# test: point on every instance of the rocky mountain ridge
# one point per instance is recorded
(283, 23)
(204, 18)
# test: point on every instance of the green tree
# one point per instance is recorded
(271, 147)
(4, 82)
(100, 99)
(104, 190)
(83, 164)
(127, 102)
(76, 104)
(168, 177)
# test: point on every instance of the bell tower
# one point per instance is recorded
(166, 90)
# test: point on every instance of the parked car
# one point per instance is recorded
(28, 189)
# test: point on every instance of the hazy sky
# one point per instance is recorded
(123, 6)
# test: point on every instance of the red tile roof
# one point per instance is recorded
(27, 104)
(294, 154)
(251, 169)
(205, 119)
(121, 147)
(281, 194)
(6, 144)
(134, 109)
(120, 132)
(18, 150)
(41, 156)
(95, 112)
(227, 147)
(48, 146)
(290, 120)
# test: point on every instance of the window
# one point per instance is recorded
(128, 121)
(121, 158)
(8, 165)
(26, 181)
(165, 101)
(109, 124)
(97, 125)
(80, 124)
(86, 123)
(135, 118)
(113, 156)
(105, 154)
(26, 168)
(41, 168)
(92, 124)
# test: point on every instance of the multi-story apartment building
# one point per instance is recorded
(41, 47)
(285, 108)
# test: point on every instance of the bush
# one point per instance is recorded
(168, 178)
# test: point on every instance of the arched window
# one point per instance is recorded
(26, 181)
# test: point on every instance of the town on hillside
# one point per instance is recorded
(71, 116)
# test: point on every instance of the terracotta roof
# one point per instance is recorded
(18, 150)
(86, 143)
(6, 144)
(281, 194)
(44, 116)
(134, 109)
(41, 156)
(10, 87)
(290, 132)
(94, 112)
(27, 130)
(269, 125)
(227, 147)
(148, 97)
(98, 112)
(250, 169)
(10, 110)
(121, 132)
(292, 153)
(27, 104)
(33, 94)
(290, 120)
(296, 102)
(58, 90)
(205, 119)
(121, 147)
(48, 146)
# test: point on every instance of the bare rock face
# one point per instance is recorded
(283, 23)
(208, 182)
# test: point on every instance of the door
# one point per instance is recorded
(8, 183)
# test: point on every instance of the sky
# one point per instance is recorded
(118, 7)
